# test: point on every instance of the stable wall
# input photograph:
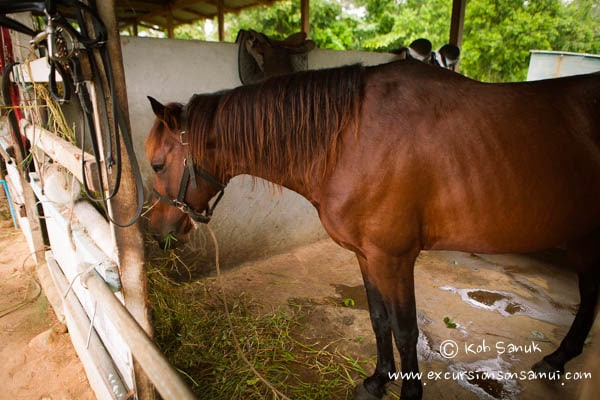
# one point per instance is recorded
(253, 220)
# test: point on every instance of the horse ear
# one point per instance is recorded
(164, 113)
(158, 109)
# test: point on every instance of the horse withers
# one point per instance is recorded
(395, 165)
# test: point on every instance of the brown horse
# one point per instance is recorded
(398, 158)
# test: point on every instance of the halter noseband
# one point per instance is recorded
(189, 176)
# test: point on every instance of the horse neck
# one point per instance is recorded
(279, 175)
(286, 130)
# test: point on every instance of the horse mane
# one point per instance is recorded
(289, 125)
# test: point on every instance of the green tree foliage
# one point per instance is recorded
(192, 31)
(277, 21)
(331, 26)
(393, 24)
(498, 34)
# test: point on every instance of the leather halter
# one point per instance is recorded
(189, 177)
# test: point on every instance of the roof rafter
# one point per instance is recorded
(165, 13)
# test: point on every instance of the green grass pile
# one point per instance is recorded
(191, 328)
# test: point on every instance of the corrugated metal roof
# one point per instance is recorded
(176, 12)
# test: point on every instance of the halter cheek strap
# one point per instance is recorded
(189, 177)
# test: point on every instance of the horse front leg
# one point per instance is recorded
(389, 282)
(374, 386)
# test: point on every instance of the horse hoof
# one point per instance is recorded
(545, 368)
(361, 393)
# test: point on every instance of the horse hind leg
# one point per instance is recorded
(587, 257)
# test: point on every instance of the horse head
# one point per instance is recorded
(181, 197)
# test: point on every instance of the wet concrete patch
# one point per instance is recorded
(351, 296)
(485, 379)
(490, 298)
(508, 304)
(491, 386)
(513, 308)
(485, 297)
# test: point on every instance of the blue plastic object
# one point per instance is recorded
(10, 203)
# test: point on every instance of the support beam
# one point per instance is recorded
(457, 22)
(170, 27)
(304, 17)
(221, 19)
(129, 241)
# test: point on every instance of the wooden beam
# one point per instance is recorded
(457, 22)
(199, 15)
(86, 248)
(149, 11)
(166, 379)
(304, 17)
(159, 10)
(69, 155)
(96, 361)
(74, 258)
(170, 27)
(221, 19)
(129, 241)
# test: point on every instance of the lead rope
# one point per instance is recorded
(236, 342)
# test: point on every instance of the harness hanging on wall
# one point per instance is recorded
(260, 57)
(89, 36)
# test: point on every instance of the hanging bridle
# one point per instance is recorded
(189, 177)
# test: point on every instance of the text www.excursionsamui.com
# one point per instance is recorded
(495, 375)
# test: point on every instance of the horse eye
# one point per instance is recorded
(158, 167)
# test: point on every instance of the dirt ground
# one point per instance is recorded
(508, 312)
(500, 314)
(37, 359)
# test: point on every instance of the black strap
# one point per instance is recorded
(198, 216)
(16, 26)
(187, 176)
(185, 180)
(208, 177)
(56, 67)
